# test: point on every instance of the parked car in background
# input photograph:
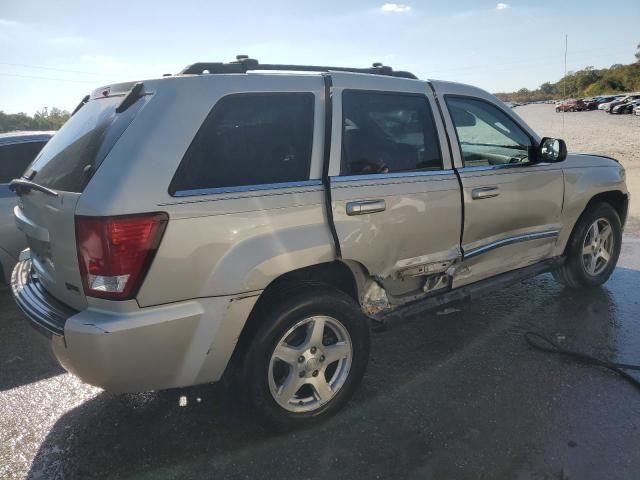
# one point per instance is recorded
(625, 108)
(592, 103)
(606, 105)
(17, 151)
(622, 101)
(202, 223)
(571, 105)
(636, 110)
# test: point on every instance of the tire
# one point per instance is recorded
(578, 270)
(557, 110)
(296, 317)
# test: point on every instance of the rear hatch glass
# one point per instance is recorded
(73, 155)
(66, 165)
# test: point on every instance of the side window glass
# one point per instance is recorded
(487, 136)
(14, 159)
(250, 139)
(383, 133)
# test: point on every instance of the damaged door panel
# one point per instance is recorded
(396, 200)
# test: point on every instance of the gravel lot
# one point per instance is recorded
(449, 394)
(594, 132)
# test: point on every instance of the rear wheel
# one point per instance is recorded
(307, 359)
(593, 249)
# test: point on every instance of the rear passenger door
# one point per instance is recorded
(395, 197)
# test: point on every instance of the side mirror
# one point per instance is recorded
(552, 150)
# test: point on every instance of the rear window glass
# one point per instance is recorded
(250, 139)
(73, 155)
(15, 158)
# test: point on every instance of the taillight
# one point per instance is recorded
(115, 253)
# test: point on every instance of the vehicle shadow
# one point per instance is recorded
(25, 356)
(439, 385)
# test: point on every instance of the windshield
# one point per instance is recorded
(73, 155)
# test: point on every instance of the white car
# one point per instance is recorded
(607, 106)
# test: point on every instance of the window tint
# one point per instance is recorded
(77, 150)
(15, 158)
(487, 136)
(250, 139)
(384, 133)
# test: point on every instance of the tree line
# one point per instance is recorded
(587, 82)
(45, 119)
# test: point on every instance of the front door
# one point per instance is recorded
(512, 204)
(395, 197)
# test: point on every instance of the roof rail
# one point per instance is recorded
(243, 64)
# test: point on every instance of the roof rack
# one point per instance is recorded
(243, 64)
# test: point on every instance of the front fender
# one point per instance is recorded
(586, 176)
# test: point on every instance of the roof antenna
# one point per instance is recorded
(564, 79)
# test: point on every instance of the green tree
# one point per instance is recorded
(45, 119)
(547, 88)
(582, 83)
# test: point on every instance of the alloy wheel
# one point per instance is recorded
(597, 248)
(310, 364)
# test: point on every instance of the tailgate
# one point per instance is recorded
(49, 223)
(50, 189)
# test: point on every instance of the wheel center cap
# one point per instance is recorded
(312, 364)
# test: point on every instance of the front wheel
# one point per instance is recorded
(593, 248)
(306, 360)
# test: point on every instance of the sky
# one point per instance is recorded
(52, 53)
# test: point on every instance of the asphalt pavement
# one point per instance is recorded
(449, 394)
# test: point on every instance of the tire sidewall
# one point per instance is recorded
(277, 322)
(575, 259)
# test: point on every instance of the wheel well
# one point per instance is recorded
(336, 274)
(618, 200)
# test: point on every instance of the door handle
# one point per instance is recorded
(484, 192)
(363, 207)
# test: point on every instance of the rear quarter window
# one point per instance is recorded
(249, 139)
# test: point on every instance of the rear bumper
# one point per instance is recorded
(132, 349)
(46, 313)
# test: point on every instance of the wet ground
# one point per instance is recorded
(454, 394)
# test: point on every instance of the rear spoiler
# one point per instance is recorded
(131, 95)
